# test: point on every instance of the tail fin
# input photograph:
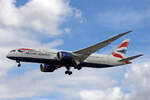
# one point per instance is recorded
(121, 50)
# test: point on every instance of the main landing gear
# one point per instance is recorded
(78, 67)
(68, 71)
(19, 64)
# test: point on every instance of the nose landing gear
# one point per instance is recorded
(19, 64)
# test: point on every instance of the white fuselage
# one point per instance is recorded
(50, 57)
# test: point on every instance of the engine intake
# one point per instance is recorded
(47, 68)
(65, 57)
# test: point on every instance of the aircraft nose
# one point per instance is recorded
(8, 56)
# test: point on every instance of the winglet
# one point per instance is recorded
(118, 36)
(130, 31)
(125, 33)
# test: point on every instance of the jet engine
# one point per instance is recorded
(65, 57)
(47, 68)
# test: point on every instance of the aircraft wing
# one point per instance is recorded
(82, 54)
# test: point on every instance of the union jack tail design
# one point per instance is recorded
(121, 50)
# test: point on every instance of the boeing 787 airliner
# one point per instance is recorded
(50, 60)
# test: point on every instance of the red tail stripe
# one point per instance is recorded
(128, 62)
(117, 55)
(125, 44)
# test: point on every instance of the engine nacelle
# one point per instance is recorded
(47, 68)
(65, 57)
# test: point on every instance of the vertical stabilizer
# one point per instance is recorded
(121, 50)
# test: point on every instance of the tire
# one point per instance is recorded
(69, 73)
(66, 72)
(19, 65)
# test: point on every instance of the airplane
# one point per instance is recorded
(50, 60)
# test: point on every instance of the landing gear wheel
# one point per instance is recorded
(68, 72)
(79, 68)
(19, 65)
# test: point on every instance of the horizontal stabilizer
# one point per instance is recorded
(130, 58)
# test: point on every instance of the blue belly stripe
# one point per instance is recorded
(54, 61)
(95, 65)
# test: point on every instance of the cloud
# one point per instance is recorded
(5, 64)
(33, 83)
(67, 30)
(88, 84)
(109, 94)
(136, 80)
(37, 15)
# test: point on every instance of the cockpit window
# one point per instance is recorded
(20, 50)
(13, 51)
